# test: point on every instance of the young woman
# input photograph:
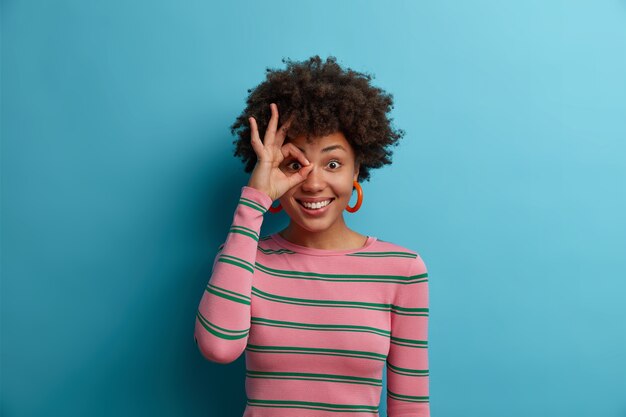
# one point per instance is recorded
(318, 308)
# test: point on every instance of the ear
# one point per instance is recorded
(356, 171)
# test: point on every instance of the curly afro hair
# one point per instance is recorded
(325, 99)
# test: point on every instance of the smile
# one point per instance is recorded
(315, 208)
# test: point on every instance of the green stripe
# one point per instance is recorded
(237, 259)
(407, 398)
(275, 251)
(285, 273)
(253, 204)
(317, 351)
(300, 376)
(406, 371)
(325, 303)
(242, 263)
(252, 231)
(227, 294)
(308, 405)
(340, 304)
(384, 254)
(319, 327)
(405, 311)
(423, 344)
(221, 331)
(246, 231)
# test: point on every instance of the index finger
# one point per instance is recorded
(282, 132)
(272, 125)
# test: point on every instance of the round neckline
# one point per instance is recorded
(316, 251)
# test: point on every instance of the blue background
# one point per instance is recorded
(118, 185)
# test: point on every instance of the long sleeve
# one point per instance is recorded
(223, 316)
(407, 361)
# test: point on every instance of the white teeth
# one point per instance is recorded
(316, 205)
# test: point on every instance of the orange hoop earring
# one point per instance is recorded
(359, 199)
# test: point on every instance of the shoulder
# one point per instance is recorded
(412, 262)
(412, 282)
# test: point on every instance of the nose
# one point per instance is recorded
(314, 182)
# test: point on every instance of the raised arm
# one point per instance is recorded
(223, 317)
(407, 362)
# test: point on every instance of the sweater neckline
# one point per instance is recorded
(281, 241)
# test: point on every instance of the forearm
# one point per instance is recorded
(223, 316)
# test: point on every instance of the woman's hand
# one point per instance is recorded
(267, 175)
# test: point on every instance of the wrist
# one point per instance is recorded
(261, 190)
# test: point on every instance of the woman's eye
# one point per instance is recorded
(290, 165)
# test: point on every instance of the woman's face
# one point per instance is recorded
(332, 176)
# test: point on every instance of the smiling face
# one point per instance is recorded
(332, 176)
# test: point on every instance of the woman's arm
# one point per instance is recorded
(223, 317)
(407, 362)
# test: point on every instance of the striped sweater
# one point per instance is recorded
(317, 326)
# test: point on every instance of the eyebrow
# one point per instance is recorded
(328, 148)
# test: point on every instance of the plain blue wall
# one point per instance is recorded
(118, 184)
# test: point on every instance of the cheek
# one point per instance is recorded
(344, 198)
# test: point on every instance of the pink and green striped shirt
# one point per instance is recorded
(317, 326)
